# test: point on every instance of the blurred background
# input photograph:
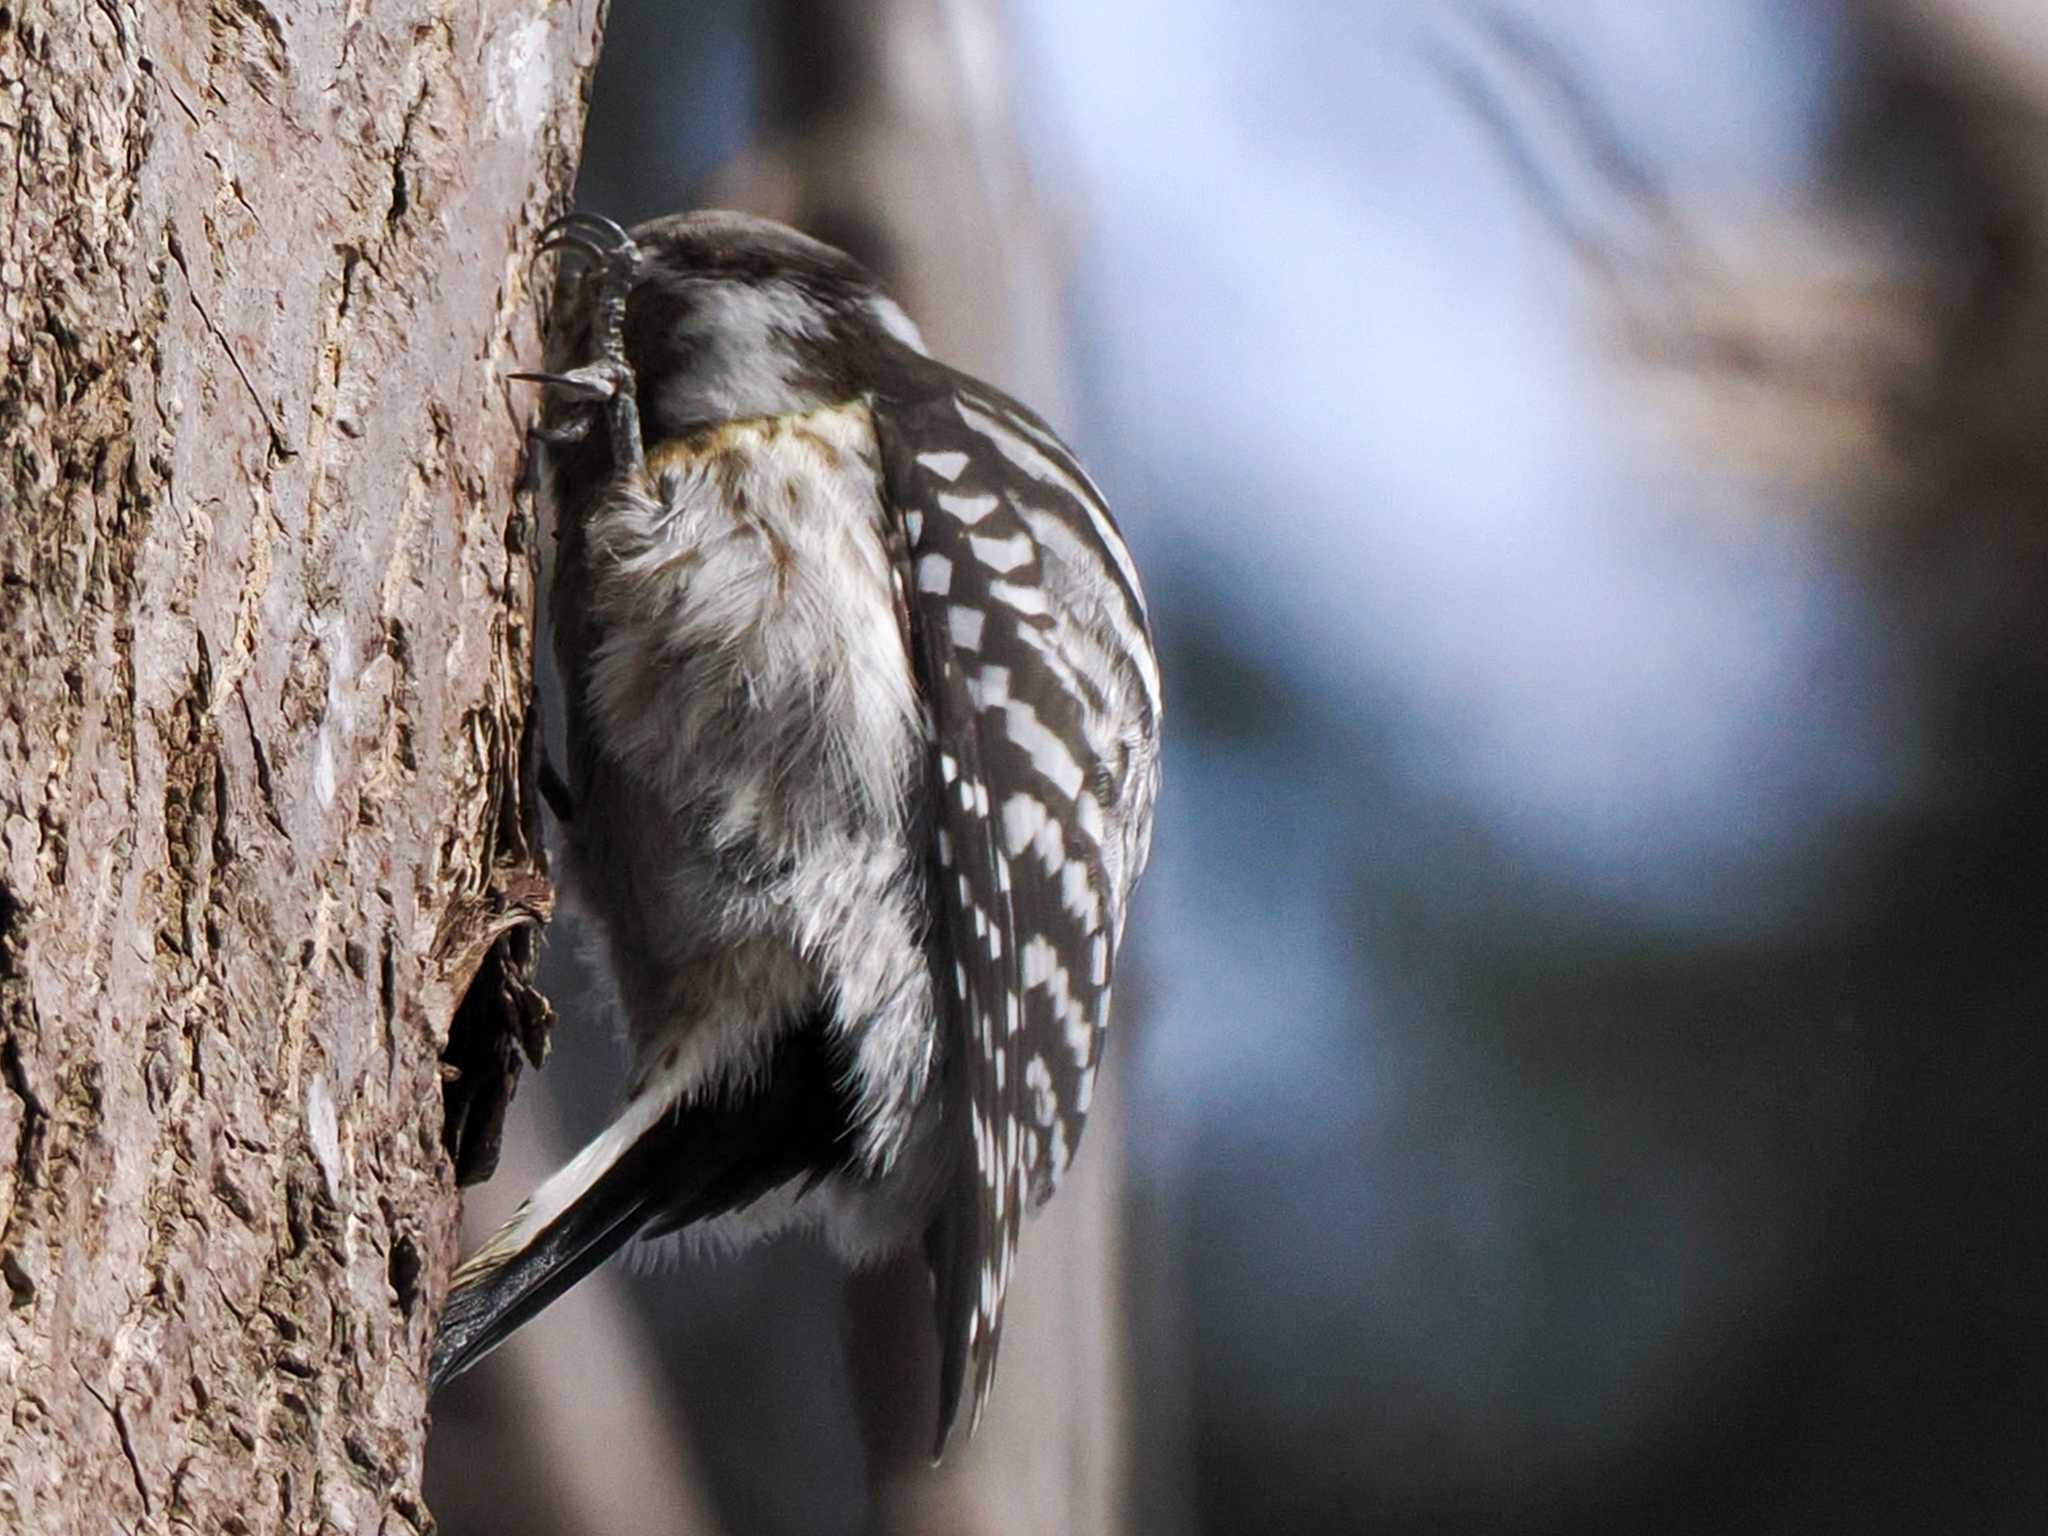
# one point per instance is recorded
(1579, 1055)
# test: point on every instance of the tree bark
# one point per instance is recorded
(266, 832)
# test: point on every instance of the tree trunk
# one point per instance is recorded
(265, 825)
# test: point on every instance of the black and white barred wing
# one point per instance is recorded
(1029, 633)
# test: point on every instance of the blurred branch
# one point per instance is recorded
(891, 133)
(1571, 159)
(1803, 345)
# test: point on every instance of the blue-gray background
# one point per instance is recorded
(1588, 1072)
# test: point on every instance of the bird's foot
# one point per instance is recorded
(607, 381)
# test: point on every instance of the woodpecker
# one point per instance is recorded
(863, 724)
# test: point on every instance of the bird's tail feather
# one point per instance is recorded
(508, 1283)
(661, 1165)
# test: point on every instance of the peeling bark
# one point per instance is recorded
(266, 826)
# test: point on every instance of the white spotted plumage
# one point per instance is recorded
(1052, 693)
(864, 721)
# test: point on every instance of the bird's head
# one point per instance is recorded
(730, 317)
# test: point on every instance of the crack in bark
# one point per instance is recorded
(127, 1442)
(170, 90)
(265, 787)
(279, 448)
(401, 186)
(35, 1116)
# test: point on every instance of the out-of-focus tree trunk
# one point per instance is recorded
(265, 635)
(580, 1432)
(2005, 42)
(894, 134)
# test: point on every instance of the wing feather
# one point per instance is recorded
(1020, 602)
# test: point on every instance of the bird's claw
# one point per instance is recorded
(591, 233)
(614, 265)
(591, 384)
(607, 380)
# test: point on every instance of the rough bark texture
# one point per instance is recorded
(265, 598)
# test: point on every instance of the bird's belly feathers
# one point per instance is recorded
(754, 595)
(743, 820)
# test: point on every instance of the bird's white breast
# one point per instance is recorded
(750, 683)
(763, 588)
